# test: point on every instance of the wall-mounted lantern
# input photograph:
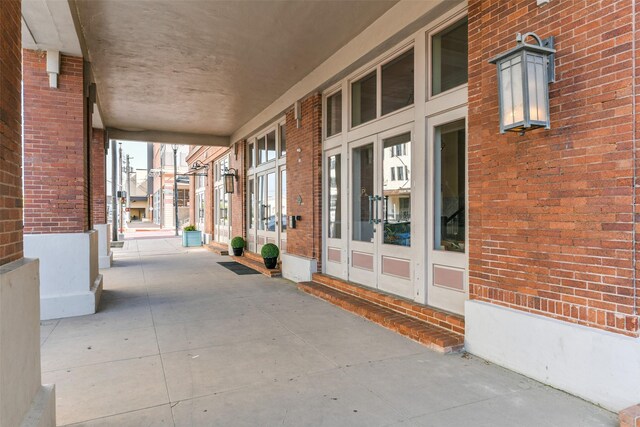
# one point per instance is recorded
(229, 176)
(524, 74)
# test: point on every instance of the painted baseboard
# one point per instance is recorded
(25, 402)
(599, 366)
(297, 268)
(70, 283)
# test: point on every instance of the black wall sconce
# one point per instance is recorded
(229, 176)
(524, 74)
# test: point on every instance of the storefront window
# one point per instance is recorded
(283, 140)
(397, 83)
(334, 114)
(251, 153)
(252, 201)
(397, 190)
(271, 146)
(450, 181)
(283, 200)
(335, 208)
(449, 58)
(363, 99)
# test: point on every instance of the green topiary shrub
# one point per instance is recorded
(270, 251)
(189, 228)
(237, 242)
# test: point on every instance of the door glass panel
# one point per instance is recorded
(252, 201)
(396, 189)
(261, 203)
(270, 213)
(283, 200)
(362, 186)
(335, 209)
(225, 207)
(397, 83)
(450, 180)
(334, 114)
(271, 145)
(449, 58)
(363, 100)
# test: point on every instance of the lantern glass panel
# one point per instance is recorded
(536, 88)
(511, 91)
(228, 183)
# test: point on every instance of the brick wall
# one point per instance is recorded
(55, 176)
(636, 148)
(10, 133)
(551, 213)
(98, 177)
(304, 179)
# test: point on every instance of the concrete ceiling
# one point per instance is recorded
(48, 25)
(208, 67)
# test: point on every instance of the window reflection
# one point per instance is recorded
(397, 190)
(449, 58)
(449, 186)
(335, 210)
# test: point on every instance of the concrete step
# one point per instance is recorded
(434, 316)
(258, 266)
(434, 337)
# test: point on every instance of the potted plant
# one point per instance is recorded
(237, 244)
(270, 254)
(191, 236)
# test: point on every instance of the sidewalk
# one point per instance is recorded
(182, 341)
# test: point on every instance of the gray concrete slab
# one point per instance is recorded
(180, 340)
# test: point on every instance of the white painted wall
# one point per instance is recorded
(297, 268)
(599, 366)
(105, 255)
(23, 399)
(70, 284)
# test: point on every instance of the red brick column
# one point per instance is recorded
(238, 198)
(304, 179)
(551, 213)
(10, 133)
(55, 176)
(98, 177)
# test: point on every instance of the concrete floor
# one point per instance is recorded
(181, 341)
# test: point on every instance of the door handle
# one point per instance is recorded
(371, 200)
(376, 199)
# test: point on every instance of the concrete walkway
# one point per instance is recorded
(180, 340)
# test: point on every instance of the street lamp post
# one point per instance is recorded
(175, 184)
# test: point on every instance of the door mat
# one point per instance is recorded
(238, 268)
(117, 244)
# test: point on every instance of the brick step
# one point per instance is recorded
(436, 317)
(218, 248)
(434, 337)
(257, 265)
(252, 256)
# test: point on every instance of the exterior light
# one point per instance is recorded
(229, 176)
(524, 74)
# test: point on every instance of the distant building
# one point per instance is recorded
(161, 197)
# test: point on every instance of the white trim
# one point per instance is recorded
(599, 366)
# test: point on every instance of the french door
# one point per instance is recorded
(221, 205)
(380, 182)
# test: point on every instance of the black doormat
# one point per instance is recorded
(238, 268)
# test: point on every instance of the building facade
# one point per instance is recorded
(393, 174)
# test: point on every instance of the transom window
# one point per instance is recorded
(449, 57)
(395, 90)
(334, 114)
